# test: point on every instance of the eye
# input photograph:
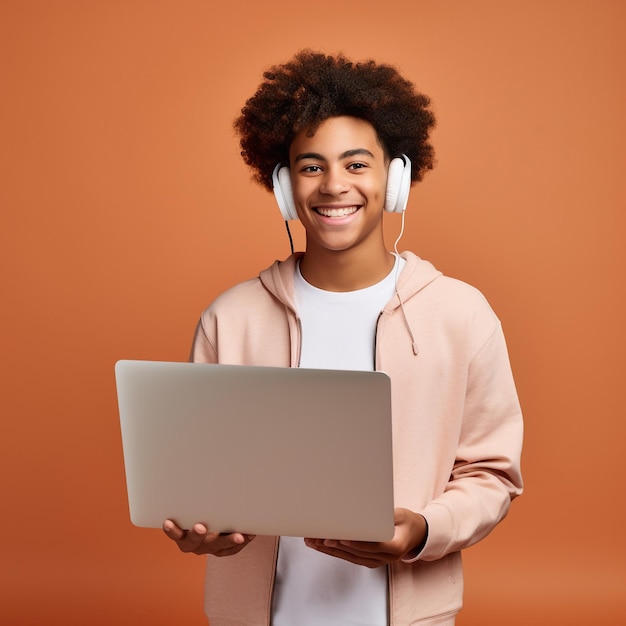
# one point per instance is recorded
(311, 169)
(357, 166)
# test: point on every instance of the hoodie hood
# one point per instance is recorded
(415, 275)
(278, 279)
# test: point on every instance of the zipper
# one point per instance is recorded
(380, 315)
(273, 582)
(299, 324)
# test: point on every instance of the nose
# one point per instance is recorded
(334, 182)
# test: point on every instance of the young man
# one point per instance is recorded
(348, 303)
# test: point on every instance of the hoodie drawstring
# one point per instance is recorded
(408, 326)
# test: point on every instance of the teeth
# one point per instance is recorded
(342, 212)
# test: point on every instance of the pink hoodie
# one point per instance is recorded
(457, 428)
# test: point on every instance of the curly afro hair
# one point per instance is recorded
(312, 87)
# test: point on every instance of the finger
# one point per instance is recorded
(200, 541)
(192, 539)
(198, 533)
(172, 530)
(363, 547)
(360, 549)
(234, 548)
(336, 548)
(370, 561)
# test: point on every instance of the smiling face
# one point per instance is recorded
(339, 178)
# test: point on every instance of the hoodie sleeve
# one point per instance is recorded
(486, 476)
(202, 349)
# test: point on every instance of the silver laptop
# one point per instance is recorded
(260, 450)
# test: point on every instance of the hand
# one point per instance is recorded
(200, 541)
(410, 531)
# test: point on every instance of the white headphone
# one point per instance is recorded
(396, 196)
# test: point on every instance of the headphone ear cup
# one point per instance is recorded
(398, 184)
(281, 180)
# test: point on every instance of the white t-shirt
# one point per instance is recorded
(314, 589)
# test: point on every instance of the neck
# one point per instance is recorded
(345, 270)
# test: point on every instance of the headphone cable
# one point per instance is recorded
(289, 234)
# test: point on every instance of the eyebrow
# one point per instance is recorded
(344, 155)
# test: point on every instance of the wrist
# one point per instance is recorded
(416, 550)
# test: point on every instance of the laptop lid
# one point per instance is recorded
(259, 450)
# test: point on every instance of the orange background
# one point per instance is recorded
(125, 209)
